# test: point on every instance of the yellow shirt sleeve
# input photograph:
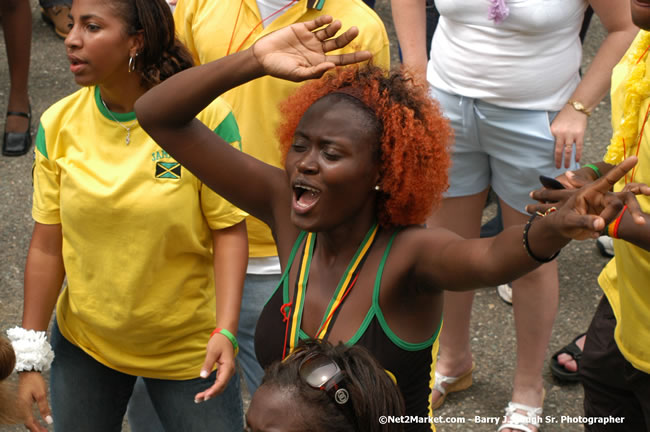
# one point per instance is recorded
(46, 178)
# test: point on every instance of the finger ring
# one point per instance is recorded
(547, 212)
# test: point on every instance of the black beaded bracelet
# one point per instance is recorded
(527, 246)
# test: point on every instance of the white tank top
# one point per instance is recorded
(529, 61)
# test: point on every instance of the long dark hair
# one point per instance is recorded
(372, 392)
(162, 54)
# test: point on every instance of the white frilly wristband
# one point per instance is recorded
(33, 351)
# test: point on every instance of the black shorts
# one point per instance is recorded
(614, 389)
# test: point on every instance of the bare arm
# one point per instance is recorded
(409, 17)
(230, 247)
(44, 273)
(167, 112)
(569, 125)
(454, 263)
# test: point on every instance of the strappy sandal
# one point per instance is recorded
(454, 384)
(558, 370)
(515, 420)
(18, 143)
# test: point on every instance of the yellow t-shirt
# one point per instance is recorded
(137, 243)
(626, 278)
(212, 29)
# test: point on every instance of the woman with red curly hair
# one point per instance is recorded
(366, 160)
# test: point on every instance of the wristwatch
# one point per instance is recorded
(578, 106)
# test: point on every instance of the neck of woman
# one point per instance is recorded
(341, 243)
(120, 97)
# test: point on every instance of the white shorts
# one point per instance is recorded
(507, 149)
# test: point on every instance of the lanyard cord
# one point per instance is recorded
(348, 280)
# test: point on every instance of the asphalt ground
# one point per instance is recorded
(493, 338)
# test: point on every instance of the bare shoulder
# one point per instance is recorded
(415, 250)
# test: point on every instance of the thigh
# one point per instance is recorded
(86, 395)
(141, 413)
(602, 372)
(470, 171)
(174, 403)
(640, 384)
(461, 215)
(521, 147)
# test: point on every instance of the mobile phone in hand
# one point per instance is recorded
(550, 182)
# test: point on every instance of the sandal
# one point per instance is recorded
(18, 143)
(454, 384)
(504, 291)
(558, 370)
(514, 419)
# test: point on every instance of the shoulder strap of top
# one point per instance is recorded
(380, 316)
(380, 269)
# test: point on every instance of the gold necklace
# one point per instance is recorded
(126, 128)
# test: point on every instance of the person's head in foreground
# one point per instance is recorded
(389, 131)
(8, 406)
(321, 387)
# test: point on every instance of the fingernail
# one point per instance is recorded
(204, 374)
(49, 420)
(207, 398)
(197, 401)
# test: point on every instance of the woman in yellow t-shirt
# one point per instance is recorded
(146, 249)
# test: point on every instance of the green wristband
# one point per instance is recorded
(596, 170)
(230, 336)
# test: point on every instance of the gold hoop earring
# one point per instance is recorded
(132, 62)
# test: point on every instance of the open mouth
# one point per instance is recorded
(304, 197)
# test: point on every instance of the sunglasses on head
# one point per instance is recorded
(322, 373)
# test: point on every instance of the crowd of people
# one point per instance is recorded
(270, 195)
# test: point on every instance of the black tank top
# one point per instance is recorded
(412, 364)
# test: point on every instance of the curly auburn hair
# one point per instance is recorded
(415, 137)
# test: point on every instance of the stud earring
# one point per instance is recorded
(377, 187)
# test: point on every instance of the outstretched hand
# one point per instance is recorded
(299, 52)
(583, 213)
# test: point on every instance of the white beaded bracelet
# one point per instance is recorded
(33, 351)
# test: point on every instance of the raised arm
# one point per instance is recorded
(459, 264)
(167, 112)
